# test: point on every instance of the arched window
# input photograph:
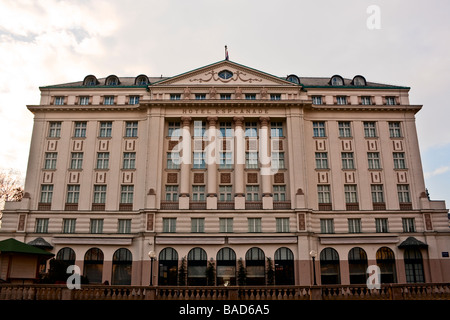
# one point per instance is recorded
(359, 81)
(386, 263)
(141, 80)
(93, 265)
(256, 266)
(293, 78)
(90, 81)
(67, 255)
(357, 264)
(284, 266)
(414, 266)
(226, 267)
(121, 269)
(112, 81)
(197, 259)
(337, 81)
(329, 266)
(168, 267)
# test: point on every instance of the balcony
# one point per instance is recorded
(71, 207)
(406, 206)
(325, 207)
(169, 205)
(98, 207)
(281, 205)
(225, 205)
(253, 205)
(44, 206)
(378, 206)
(125, 206)
(197, 205)
(352, 206)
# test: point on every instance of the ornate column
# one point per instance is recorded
(185, 165)
(211, 162)
(239, 163)
(265, 161)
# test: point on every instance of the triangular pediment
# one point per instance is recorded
(224, 73)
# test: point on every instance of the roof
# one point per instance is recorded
(40, 243)
(412, 242)
(14, 246)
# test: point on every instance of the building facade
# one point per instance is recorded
(230, 167)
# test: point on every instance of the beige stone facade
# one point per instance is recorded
(224, 163)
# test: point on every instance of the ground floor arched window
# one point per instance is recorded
(121, 268)
(357, 265)
(329, 266)
(284, 267)
(66, 255)
(168, 267)
(197, 260)
(386, 263)
(93, 265)
(414, 266)
(226, 267)
(255, 262)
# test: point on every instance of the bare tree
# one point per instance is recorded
(11, 188)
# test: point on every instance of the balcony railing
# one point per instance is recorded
(44, 206)
(325, 207)
(253, 205)
(197, 205)
(71, 207)
(98, 207)
(406, 206)
(169, 205)
(281, 205)
(379, 206)
(225, 205)
(352, 206)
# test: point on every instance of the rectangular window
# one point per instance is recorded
(102, 160)
(200, 96)
(197, 225)
(251, 129)
(366, 101)
(279, 193)
(173, 160)
(226, 130)
(225, 96)
(373, 159)
(171, 193)
(225, 193)
(276, 129)
(84, 100)
(198, 193)
(326, 226)
(399, 160)
(347, 160)
(250, 96)
(59, 101)
(344, 129)
(175, 96)
(69, 225)
(105, 129)
(350, 193)
(134, 100)
(275, 96)
(321, 160)
(124, 226)
(199, 129)
(174, 129)
(370, 130)
(252, 193)
(254, 224)
(54, 130)
(108, 100)
(318, 129)
(395, 130)
(96, 226)
(408, 225)
(73, 193)
(50, 160)
(126, 194)
(226, 225)
(199, 160)
(76, 160)
(341, 100)
(251, 160)
(226, 160)
(277, 160)
(390, 101)
(317, 100)
(131, 129)
(354, 225)
(403, 193)
(41, 225)
(100, 194)
(323, 194)
(46, 193)
(80, 129)
(282, 224)
(381, 225)
(377, 193)
(129, 160)
(169, 225)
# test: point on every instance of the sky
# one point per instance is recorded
(396, 42)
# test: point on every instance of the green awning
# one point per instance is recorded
(14, 246)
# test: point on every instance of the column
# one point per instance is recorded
(212, 154)
(185, 165)
(239, 163)
(264, 158)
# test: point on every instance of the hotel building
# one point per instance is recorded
(227, 166)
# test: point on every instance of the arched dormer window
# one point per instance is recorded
(90, 81)
(293, 78)
(112, 81)
(141, 80)
(359, 81)
(337, 80)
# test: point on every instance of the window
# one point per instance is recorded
(390, 101)
(175, 96)
(225, 74)
(276, 129)
(96, 226)
(80, 130)
(105, 129)
(124, 226)
(344, 129)
(133, 100)
(337, 81)
(317, 100)
(172, 193)
(399, 160)
(199, 160)
(100, 194)
(251, 129)
(225, 130)
(225, 96)
(142, 80)
(251, 160)
(354, 225)
(108, 100)
(41, 225)
(197, 225)
(318, 129)
(54, 130)
(359, 81)
(403, 193)
(131, 129)
(225, 193)
(282, 224)
(102, 160)
(76, 160)
(226, 225)
(50, 160)
(350, 193)
(341, 100)
(347, 160)
(199, 128)
(370, 130)
(277, 160)
(73, 193)
(414, 266)
(326, 226)
(198, 193)
(394, 130)
(377, 193)
(321, 160)
(69, 225)
(126, 194)
(373, 159)
(46, 193)
(408, 225)
(279, 193)
(252, 193)
(129, 160)
(323, 193)
(84, 100)
(169, 225)
(59, 101)
(174, 129)
(112, 81)
(250, 96)
(381, 225)
(254, 224)
(173, 160)
(200, 96)
(366, 101)
(275, 96)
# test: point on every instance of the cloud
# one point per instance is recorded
(438, 171)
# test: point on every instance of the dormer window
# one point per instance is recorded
(112, 81)
(142, 80)
(337, 81)
(359, 81)
(90, 81)
(225, 74)
(293, 78)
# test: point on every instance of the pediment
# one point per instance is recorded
(224, 73)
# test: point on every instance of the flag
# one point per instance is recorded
(226, 53)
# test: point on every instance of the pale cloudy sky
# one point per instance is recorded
(51, 41)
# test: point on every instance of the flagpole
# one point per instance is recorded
(226, 53)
